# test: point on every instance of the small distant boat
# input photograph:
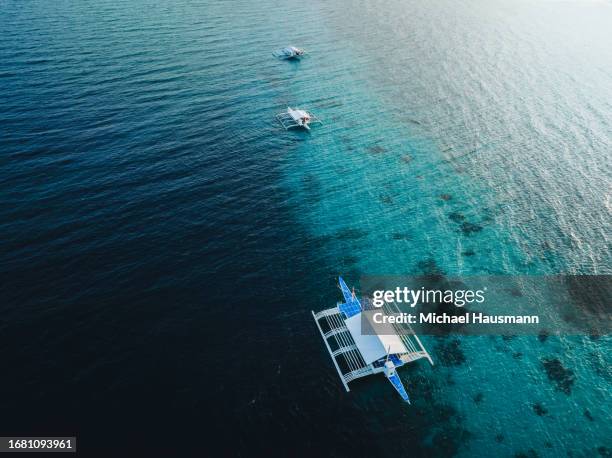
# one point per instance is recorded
(294, 117)
(357, 354)
(290, 52)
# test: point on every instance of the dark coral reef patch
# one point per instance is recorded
(470, 228)
(539, 409)
(531, 453)
(350, 234)
(376, 149)
(450, 353)
(400, 236)
(562, 377)
(456, 217)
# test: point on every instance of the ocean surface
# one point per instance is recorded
(163, 240)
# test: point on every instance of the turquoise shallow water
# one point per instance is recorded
(483, 111)
(152, 198)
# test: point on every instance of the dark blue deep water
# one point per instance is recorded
(163, 240)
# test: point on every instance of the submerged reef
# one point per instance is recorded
(350, 234)
(514, 291)
(543, 335)
(430, 267)
(531, 453)
(376, 149)
(539, 409)
(385, 199)
(400, 236)
(604, 451)
(590, 299)
(435, 279)
(439, 425)
(456, 217)
(562, 377)
(469, 228)
(450, 353)
(423, 386)
(449, 441)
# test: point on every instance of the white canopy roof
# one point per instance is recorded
(375, 346)
(297, 114)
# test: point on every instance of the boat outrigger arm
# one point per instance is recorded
(357, 355)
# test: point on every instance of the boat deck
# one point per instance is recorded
(345, 354)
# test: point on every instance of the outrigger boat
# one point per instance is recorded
(289, 52)
(357, 355)
(294, 117)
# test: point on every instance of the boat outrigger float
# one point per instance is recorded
(294, 117)
(357, 355)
